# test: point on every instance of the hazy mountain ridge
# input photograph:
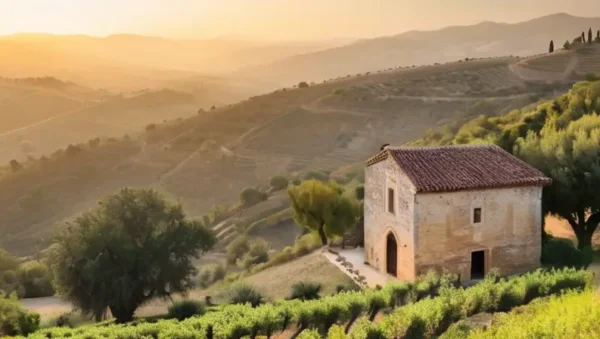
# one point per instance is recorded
(486, 39)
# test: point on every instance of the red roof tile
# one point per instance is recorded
(464, 167)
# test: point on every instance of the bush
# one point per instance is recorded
(64, 320)
(185, 309)
(257, 254)
(237, 248)
(35, 277)
(303, 84)
(317, 175)
(591, 77)
(210, 274)
(306, 291)
(9, 277)
(296, 182)
(561, 252)
(251, 196)
(14, 320)
(245, 294)
(359, 191)
(277, 183)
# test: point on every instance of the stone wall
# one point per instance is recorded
(379, 222)
(509, 232)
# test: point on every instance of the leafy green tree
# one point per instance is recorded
(551, 49)
(567, 45)
(571, 157)
(303, 84)
(321, 207)
(134, 247)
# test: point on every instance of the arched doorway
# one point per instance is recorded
(391, 255)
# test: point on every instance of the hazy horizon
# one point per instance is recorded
(270, 20)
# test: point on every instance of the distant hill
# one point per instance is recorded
(487, 39)
(126, 62)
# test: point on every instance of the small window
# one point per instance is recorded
(477, 215)
(391, 200)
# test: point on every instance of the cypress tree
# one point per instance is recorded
(583, 37)
(598, 34)
(590, 36)
(551, 49)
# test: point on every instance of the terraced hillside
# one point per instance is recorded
(209, 158)
(574, 63)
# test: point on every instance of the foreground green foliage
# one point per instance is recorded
(573, 316)
(432, 316)
(560, 252)
(418, 309)
(185, 309)
(133, 248)
(559, 137)
(14, 320)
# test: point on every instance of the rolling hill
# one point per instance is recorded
(487, 39)
(209, 158)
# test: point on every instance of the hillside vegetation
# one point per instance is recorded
(207, 159)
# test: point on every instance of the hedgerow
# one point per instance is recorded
(421, 309)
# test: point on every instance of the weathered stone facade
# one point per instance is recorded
(436, 230)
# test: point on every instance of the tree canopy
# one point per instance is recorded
(561, 138)
(321, 207)
(133, 247)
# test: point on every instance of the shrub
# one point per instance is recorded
(251, 196)
(150, 127)
(317, 175)
(245, 294)
(35, 277)
(237, 248)
(277, 183)
(9, 277)
(185, 309)
(64, 320)
(359, 191)
(303, 84)
(14, 320)
(306, 291)
(257, 254)
(591, 77)
(296, 182)
(309, 334)
(561, 252)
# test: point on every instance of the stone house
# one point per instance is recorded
(464, 209)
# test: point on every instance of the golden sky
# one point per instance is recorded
(268, 19)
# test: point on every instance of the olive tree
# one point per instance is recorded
(321, 207)
(571, 157)
(132, 248)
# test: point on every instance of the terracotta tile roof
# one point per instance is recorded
(464, 167)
